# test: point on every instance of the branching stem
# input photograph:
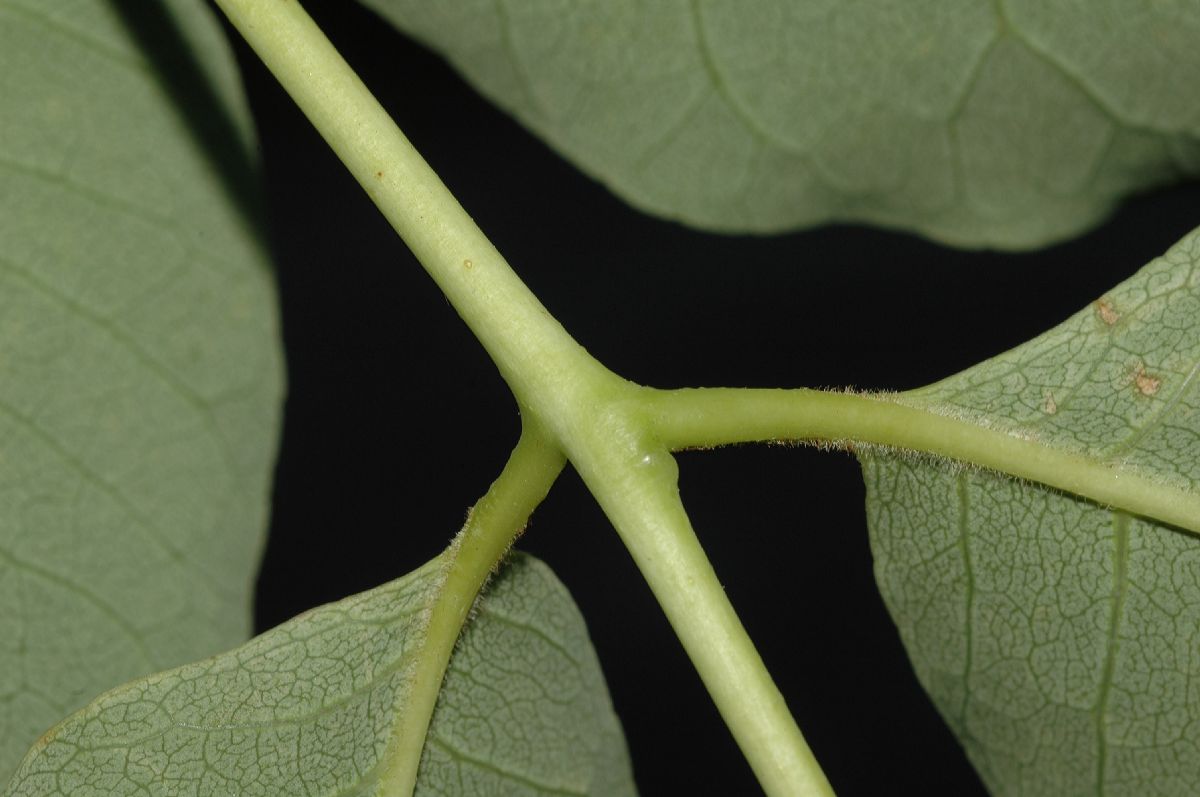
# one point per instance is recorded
(593, 417)
(619, 436)
(638, 490)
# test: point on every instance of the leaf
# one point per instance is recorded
(976, 123)
(1061, 639)
(308, 707)
(140, 373)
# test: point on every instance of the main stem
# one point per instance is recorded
(544, 366)
(591, 414)
(636, 483)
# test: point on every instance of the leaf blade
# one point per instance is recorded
(139, 366)
(977, 124)
(311, 705)
(547, 648)
(1057, 637)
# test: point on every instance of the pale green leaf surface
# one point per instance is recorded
(1061, 639)
(307, 708)
(974, 122)
(140, 372)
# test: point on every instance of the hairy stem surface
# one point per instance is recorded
(698, 418)
(492, 526)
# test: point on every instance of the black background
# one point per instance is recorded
(396, 421)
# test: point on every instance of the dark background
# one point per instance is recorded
(396, 420)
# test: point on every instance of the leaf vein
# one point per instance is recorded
(153, 532)
(1120, 584)
(518, 777)
(105, 608)
(964, 513)
(493, 614)
(103, 49)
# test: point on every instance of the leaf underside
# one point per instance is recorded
(140, 373)
(308, 707)
(1061, 639)
(976, 122)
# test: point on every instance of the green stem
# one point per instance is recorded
(636, 482)
(593, 415)
(531, 349)
(695, 418)
(492, 526)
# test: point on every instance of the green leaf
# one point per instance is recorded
(1061, 639)
(140, 373)
(308, 707)
(974, 122)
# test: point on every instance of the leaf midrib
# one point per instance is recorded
(524, 780)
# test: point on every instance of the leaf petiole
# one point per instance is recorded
(706, 417)
(492, 526)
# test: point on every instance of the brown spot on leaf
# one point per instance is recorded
(1108, 314)
(468, 264)
(1049, 405)
(1147, 384)
(379, 175)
